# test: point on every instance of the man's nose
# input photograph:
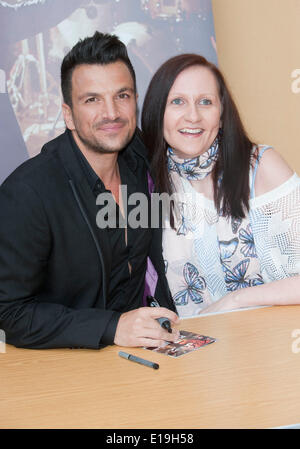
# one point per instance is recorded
(110, 109)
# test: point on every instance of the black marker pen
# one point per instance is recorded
(134, 358)
(164, 322)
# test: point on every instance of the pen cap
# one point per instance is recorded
(124, 355)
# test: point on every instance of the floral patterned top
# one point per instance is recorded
(207, 255)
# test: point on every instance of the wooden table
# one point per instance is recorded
(248, 378)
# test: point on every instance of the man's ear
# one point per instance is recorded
(68, 116)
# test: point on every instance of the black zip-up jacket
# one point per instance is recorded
(54, 262)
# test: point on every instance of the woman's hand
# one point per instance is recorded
(228, 302)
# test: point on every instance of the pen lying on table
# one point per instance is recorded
(136, 359)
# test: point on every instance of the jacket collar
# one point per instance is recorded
(86, 202)
(134, 151)
(85, 198)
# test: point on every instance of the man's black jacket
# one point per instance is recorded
(54, 262)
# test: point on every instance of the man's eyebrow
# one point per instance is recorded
(125, 89)
(88, 94)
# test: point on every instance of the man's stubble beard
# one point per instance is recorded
(100, 147)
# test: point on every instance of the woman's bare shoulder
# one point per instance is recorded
(272, 171)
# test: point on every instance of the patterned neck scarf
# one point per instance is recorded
(196, 168)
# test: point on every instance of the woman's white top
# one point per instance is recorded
(208, 256)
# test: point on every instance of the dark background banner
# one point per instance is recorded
(36, 34)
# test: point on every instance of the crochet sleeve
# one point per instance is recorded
(275, 219)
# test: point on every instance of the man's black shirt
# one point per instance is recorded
(127, 278)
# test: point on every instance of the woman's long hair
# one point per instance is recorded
(231, 194)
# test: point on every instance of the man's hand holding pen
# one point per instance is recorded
(140, 327)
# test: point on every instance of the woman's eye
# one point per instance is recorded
(176, 101)
(205, 101)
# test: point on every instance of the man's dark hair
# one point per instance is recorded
(98, 49)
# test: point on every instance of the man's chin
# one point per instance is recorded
(114, 148)
(107, 149)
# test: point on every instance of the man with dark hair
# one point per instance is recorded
(64, 281)
(102, 49)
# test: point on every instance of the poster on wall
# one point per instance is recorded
(36, 34)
